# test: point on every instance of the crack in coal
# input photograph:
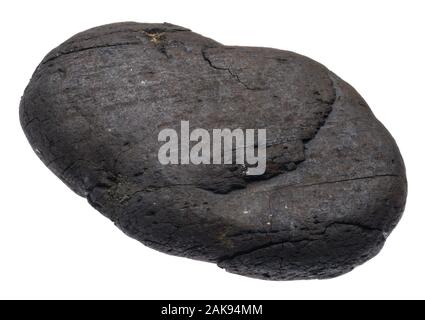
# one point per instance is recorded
(238, 254)
(148, 33)
(229, 70)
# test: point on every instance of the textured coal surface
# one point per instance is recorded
(335, 185)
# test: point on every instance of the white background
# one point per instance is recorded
(54, 245)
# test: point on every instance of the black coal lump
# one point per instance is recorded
(335, 183)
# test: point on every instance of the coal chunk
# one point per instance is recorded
(335, 183)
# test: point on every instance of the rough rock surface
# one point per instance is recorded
(335, 183)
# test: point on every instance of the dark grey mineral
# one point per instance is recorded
(335, 184)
